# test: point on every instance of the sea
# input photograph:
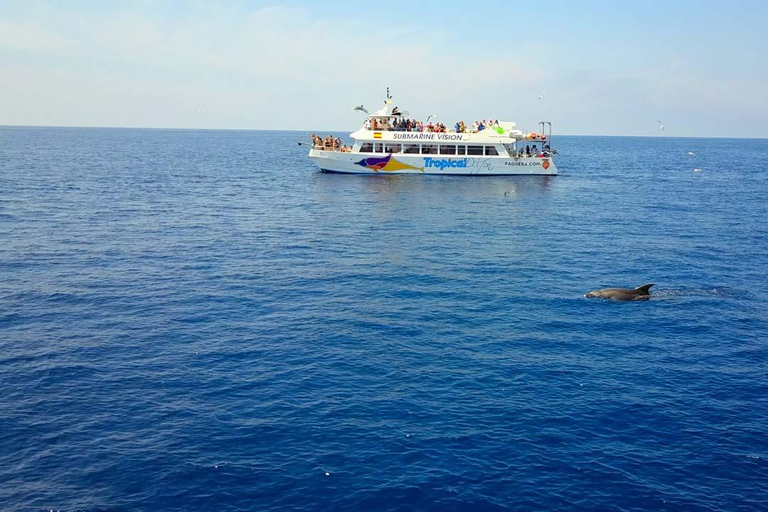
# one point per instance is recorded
(201, 320)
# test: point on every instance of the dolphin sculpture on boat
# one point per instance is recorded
(639, 293)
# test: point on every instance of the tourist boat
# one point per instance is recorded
(383, 146)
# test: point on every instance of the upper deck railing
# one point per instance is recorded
(338, 149)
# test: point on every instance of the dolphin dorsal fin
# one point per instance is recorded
(645, 289)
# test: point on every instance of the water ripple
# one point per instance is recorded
(200, 320)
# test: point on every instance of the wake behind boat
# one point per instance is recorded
(390, 142)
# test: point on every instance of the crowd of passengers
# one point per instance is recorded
(329, 143)
(395, 124)
(545, 152)
(403, 125)
(477, 126)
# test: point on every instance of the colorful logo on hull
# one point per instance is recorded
(545, 164)
(386, 164)
(443, 163)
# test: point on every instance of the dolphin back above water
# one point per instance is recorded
(639, 293)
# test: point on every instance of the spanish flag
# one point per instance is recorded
(376, 135)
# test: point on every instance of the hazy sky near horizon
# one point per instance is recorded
(601, 67)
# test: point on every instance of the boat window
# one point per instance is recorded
(491, 151)
(461, 150)
(447, 150)
(429, 149)
(379, 147)
(474, 150)
(366, 147)
(410, 148)
(392, 148)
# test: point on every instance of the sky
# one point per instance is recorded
(602, 68)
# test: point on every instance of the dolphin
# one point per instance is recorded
(639, 293)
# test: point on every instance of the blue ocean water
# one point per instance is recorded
(199, 320)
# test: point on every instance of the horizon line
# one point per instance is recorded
(83, 127)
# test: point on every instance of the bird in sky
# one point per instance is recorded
(360, 108)
(661, 125)
(541, 96)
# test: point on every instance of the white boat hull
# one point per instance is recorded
(402, 163)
